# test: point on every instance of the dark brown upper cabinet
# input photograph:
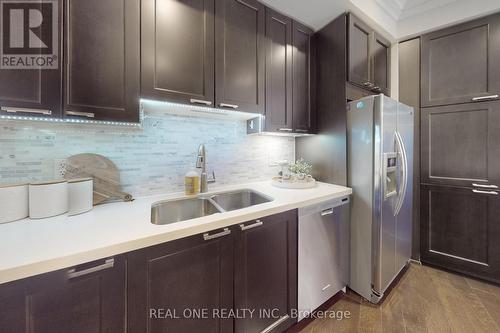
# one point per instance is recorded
(460, 64)
(33, 92)
(82, 299)
(278, 72)
(192, 273)
(369, 57)
(102, 59)
(240, 55)
(360, 36)
(304, 79)
(460, 144)
(266, 272)
(178, 51)
(381, 64)
(460, 230)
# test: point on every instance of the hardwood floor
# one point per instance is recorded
(425, 300)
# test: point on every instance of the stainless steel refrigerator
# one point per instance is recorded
(379, 168)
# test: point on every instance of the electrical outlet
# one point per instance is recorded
(59, 168)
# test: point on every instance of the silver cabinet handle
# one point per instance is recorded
(80, 114)
(326, 212)
(485, 192)
(326, 287)
(277, 323)
(301, 130)
(73, 273)
(25, 110)
(285, 129)
(225, 105)
(484, 186)
(483, 98)
(200, 101)
(207, 236)
(258, 223)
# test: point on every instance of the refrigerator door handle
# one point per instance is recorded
(404, 185)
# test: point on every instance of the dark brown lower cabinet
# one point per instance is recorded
(179, 286)
(201, 283)
(265, 279)
(89, 298)
(460, 229)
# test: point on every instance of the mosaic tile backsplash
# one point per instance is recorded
(152, 159)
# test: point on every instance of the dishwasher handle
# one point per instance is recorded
(327, 212)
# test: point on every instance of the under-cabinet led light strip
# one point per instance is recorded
(200, 108)
(75, 121)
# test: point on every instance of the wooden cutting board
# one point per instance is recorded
(107, 185)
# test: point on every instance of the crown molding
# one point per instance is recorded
(416, 7)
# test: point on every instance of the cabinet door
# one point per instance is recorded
(460, 230)
(278, 72)
(240, 55)
(33, 92)
(13, 305)
(101, 65)
(179, 286)
(381, 58)
(89, 298)
(459, 64)
(266, 272)
(359, 50)
(178, 50)
(304, 113)
(460, 144)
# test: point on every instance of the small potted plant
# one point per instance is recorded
(301, 169)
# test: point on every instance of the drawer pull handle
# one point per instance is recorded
(200, 101)
(258, 223)
(284, 129)
(25, 110)
(326, 287)
(207, 236)
(301, 130)
(485, 192)
(483, 98)
(73, 273)
(80, 114)
(484, 186)
(326, 212)
(277, 323)
(225, 105)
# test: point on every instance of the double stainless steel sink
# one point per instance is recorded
(178, 210)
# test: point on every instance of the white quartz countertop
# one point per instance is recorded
(31, 247)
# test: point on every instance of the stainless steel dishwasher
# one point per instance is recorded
(324, 235)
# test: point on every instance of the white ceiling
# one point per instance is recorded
(315, 13)
(399, 18)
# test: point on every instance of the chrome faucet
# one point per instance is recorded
(201, 164)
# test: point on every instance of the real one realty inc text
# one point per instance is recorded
(205, 313)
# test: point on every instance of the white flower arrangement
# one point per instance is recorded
(300, 167)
